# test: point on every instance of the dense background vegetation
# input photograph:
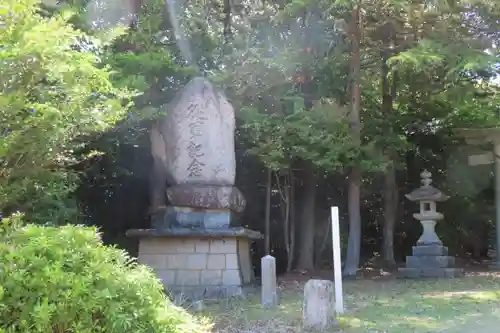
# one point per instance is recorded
(338, 103)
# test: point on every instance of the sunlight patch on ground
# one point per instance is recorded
(445, 306)
(474, 294)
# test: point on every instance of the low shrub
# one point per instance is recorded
(64, 280)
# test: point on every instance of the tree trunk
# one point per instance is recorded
(390, 215)
(390, 185)
(306, 253)
(267, 231)
(227, 22)
(354, 241)
(291, 252)
(476, 250)
(287, 203)
(327, 240)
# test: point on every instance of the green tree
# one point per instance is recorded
(54, 94)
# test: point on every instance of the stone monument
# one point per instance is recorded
(196, 245)
(269, 290)
(318, 311)
(430, 258)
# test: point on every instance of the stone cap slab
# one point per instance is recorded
(238, 232)
(428, 193)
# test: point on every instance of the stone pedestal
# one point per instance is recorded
(194, 217)
(429, 235)
(201, 206)
(430, 261)
(199, 264)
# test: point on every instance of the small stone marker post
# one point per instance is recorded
(269, 296)
(319, 305)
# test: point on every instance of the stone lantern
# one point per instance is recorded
(427, 196)
(430, 258)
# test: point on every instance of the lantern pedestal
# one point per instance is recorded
(429, 257)
(430, 261)
(428, 219)
(429, 235)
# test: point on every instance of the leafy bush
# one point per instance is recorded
(64, 280)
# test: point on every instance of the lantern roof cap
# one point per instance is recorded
(427, 192)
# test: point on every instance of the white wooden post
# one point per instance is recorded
(337, 264)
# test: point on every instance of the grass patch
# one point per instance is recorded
(469, 304)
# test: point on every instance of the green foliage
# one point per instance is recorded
(320, 135)
(314, 135)
(54, 94)
(63, 279)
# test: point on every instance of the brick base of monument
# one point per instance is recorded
(430, 261)
(199, 264)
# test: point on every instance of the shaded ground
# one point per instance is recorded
(378, 305)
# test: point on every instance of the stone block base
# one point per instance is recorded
(200, 266)
(437, 272)
(430, 261)
(430, 250)
(204, 293)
